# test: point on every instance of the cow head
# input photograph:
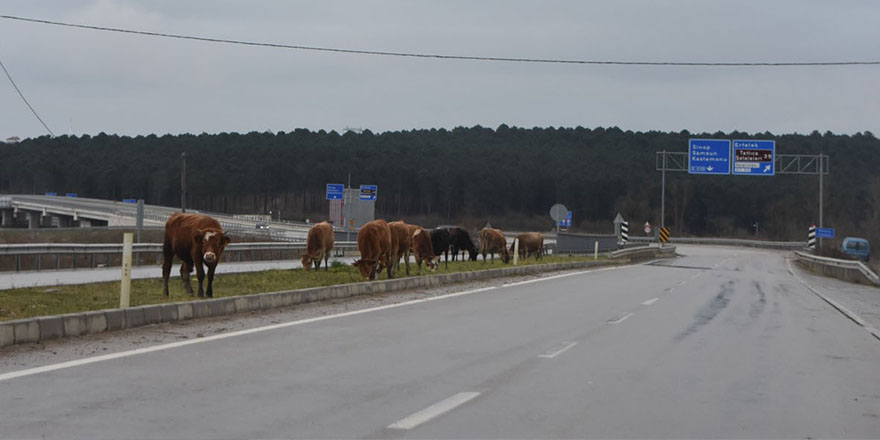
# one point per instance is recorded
(367, 268)
(505, 255)
(472, 254)
(307, 262)
(433, 263)
(211, 243)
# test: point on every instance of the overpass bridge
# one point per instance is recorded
(38, 211)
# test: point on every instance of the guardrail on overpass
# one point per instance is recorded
(728, 242)
(110, 251)
(847, 270)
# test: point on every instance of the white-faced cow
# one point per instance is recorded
(198, 241)
(319, 243)
(423, 250)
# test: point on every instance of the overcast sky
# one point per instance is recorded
(85, 81)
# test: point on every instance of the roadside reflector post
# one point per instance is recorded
(596, 250)
(125, 288)
(515, 251)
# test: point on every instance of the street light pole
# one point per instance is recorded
(183, 182)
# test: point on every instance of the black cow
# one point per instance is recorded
(461, 240)
(440, 242)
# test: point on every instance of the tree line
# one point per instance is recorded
(508, 176)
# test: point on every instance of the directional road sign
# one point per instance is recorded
(824, 232)
(754, 158)
(335, 191)
(709, 156)
(368, 193)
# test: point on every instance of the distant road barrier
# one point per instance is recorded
(847, 270)
(113, 251)
(727, 242)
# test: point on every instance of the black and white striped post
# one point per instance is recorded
(811, 237)
(624, 232)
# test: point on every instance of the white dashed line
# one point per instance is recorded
(559, 351)
(621, 319)
(433, 411)
(650, 301)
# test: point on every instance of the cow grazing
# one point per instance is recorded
(530, 243)
(198, 241)
(319, 243)
(461, 240)
(423, 250)
(492, 242)
(374, 244)
(440, 242)
(401, 243)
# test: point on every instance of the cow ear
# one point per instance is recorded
(225, 239)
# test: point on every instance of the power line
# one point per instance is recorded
(447, 57)
(25, 99)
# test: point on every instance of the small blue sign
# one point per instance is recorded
(824, 232)
(368, 193)
(566, 222)
(709, 156)
(335, 191)
(754, 158)
(70, 194)
(129, 201)
(51, 194)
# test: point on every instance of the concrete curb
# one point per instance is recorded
(29, 330)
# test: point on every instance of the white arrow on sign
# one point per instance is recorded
(710, 168)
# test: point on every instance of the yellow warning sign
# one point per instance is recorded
(664, 235)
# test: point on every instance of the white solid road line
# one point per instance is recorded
(123, 354)
(433, 411)
(650, 301)
(559, 351)
(621, 319)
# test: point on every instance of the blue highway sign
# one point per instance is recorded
(754, 158)
(824, 232)
(368, 193)
(708, 156)
(335, 191)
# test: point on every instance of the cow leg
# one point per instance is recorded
(166, 271)
(200, 274)
(406, 261)
(210, 290)
(446, 257)
(326, 261)
(185, 269)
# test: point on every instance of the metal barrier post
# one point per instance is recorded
(125, 288)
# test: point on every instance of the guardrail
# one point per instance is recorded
(728, 242)
(233, 251)
(644, 252)
(837, 268)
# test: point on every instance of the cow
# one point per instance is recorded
(461, 240)
(440, 243)
(401, 243)
(492, 241)
(319, 243)
(198, 241)
(374, 244)
(530, 242)
(423, 250)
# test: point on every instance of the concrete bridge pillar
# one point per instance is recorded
(6, 215)
(63, 221)
(84, 223)
(33, 219)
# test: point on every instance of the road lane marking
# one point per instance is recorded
(433, 411)
(650, 301)
(124, 354)
(621, 319)
(559, 351)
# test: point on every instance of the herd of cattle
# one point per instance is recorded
(198, 241)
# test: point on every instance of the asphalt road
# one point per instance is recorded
(722, 343)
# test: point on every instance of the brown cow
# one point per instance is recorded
(530, 242)
(423, 250)
(401, 243)
(492, 241)
(374, 244)
(195, 239)
(318, 246)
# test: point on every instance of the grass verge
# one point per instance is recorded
(41, 301)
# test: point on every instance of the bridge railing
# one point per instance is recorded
(847, 270)
(728, 242)
(17, 257)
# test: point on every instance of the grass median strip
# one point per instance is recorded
(41, 301)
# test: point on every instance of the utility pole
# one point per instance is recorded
(663, 196)
(821, 171)
(348, 218)
(183, 182)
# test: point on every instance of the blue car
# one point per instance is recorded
(856, 248)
